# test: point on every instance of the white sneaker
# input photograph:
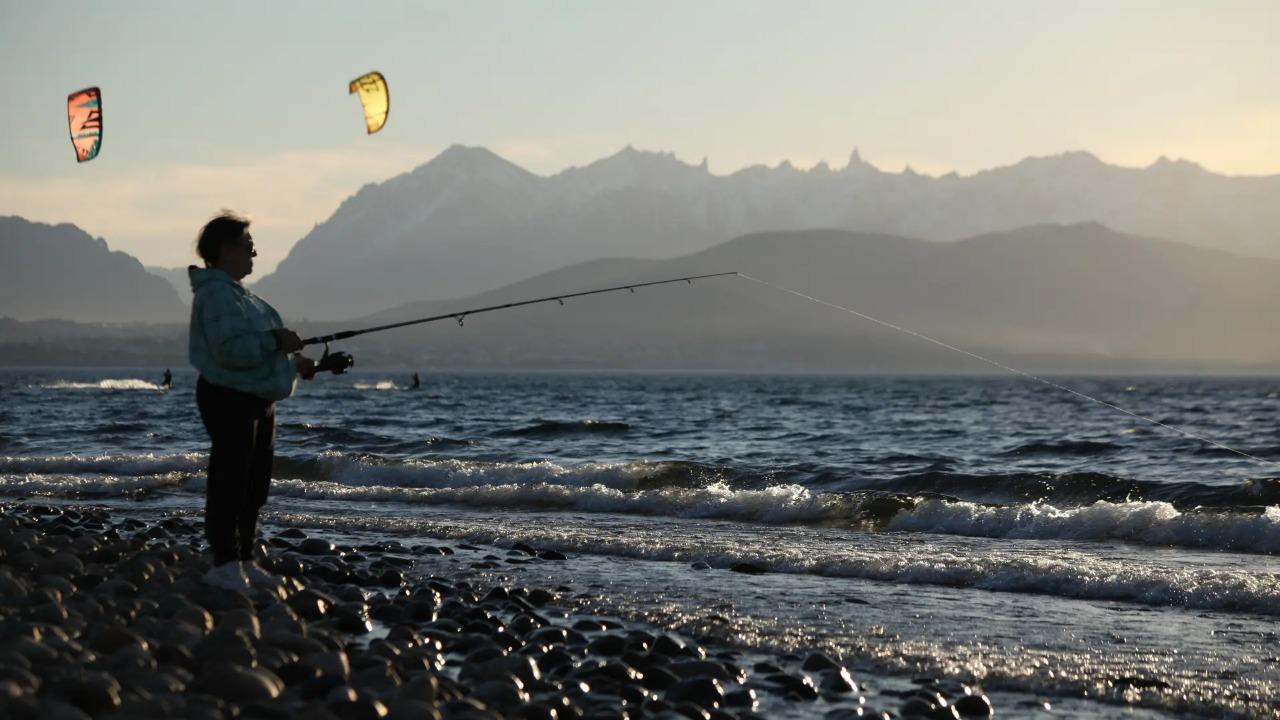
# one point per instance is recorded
(228, 576)
(258, 577)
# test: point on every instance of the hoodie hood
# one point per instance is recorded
(203, 276)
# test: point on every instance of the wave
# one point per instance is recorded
(1064, 447)
(691, 490)
(127, 465)
(556, 428)
(1064, 573)
(108, 384)
(1079, 488)
(99, 486)
(1255, 530)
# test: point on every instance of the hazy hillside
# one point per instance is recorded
(60, 271)
(469, 220)
(1062, 297)
(1066, 298)
(177, 277)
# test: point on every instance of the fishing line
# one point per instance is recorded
(1014, 370)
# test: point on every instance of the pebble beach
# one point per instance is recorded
(105, 616)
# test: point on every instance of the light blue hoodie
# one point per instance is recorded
(231, 342)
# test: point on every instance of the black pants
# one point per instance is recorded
(242, 429)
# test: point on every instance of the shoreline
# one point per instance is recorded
(105, 616)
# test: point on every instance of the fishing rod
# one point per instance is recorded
(461, 314)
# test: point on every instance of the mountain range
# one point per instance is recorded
(1075, 297)
(1055, 296)
(469, 221)
(60, 271)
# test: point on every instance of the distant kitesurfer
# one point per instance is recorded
(167, 382)
(417, 383)
(247, 360)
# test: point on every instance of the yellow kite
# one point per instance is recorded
(374, 97)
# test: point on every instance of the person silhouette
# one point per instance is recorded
(167, 382)
(417, 383)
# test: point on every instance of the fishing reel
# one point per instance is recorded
(336, 363)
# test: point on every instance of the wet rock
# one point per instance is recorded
(292, 534)
(242, 620)
(743, 698)
(414, 710)
(700, 565)
(701, 668)
(610, 645)
(36, 653)
(705, 692)
(365, 708)
(316, 546)
(974, 706)
(109, 639)
(311, 604)
(96, 693)
(501, 694)
(748, 568)
(838, 682)
(329, 664)
(238, 684)
(819, 661)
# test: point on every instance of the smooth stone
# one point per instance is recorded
(359, 709)
(316, 546)
(330, 664)
(58, 710)
(93, 692)
(819, 661)
(838, 682)
(243, 620)
(611, 645)
(311, 604)
(175, 655)
(700, 565)
(36, 653)
(701, 668)
(196, 616)
(974, 706)
(110, 639)
(225, 646)
(744, 698)
(501, 694)
(705, 692)
(414, 710)
(239, 684)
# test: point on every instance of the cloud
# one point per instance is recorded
(154, 212)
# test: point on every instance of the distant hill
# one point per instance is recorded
(1076, 297)
(468, 220)
(60, 271)
(1067, 298)
(177, 277)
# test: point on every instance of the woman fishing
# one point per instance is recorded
(247, 361)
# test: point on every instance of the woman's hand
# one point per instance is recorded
(306, 366)
(287, 341)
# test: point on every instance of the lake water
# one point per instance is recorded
(976, 528)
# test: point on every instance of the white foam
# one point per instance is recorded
(1148, 523)
(108, 384)
(89, 485)
(380, 385)
(367, 472)
(888, 558)
(145, 464)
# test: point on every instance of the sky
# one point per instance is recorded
(244, 105)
